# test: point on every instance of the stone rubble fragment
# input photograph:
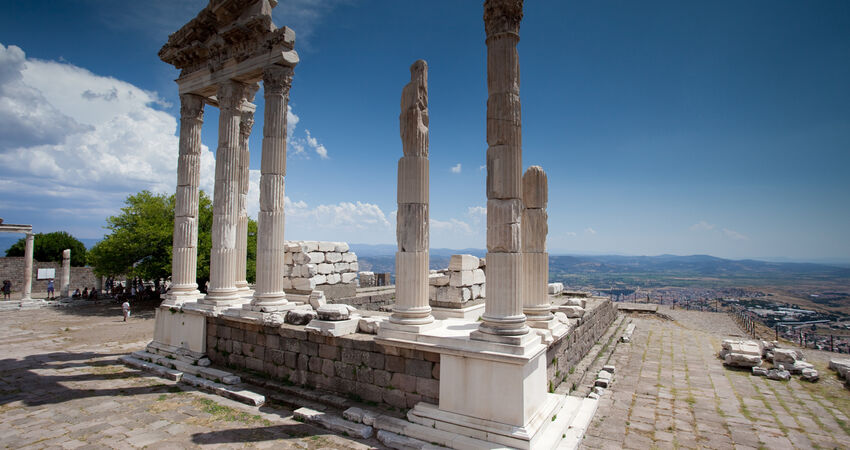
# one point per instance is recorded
(779, 375)
(740, 353)
(462, 281)
(627, 335)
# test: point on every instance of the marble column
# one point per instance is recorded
(268, 291)
(411, 305)
(27, 295)
(222, 292)
(503, 319)
(65, 281)
(535, 228)
(184, 259)
(245, 126)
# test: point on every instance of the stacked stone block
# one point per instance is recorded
(463, 281)
(312, 263)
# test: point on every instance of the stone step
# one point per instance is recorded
(400, 442)
(579, 424)
(209, 373)
(164, 372)
(231, 392)
(427, 433)
(333, 422)
(297, 393)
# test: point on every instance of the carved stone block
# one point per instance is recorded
(535, 228)
(504, 219)
(504, 172)
(413, 184)
(412, 227)
(535, 188)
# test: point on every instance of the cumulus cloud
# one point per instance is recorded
(451, 226)
(589, 230)
(456, 168)
(477, 213)
(303, 147)
(734, 235)
(702, 226)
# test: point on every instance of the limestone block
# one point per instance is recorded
(287, 283)
(461, 278)
(449, 294)
(349, 257)
(535, 188)
(576, 301)
(562, 317)
(292, 247)
(185, 232)
(556, 288)
(354, 266)
(483, 290)
(503, 226)
(333, 278)
(779, 375)
(503, 113)
(413, 183)
(432, 292)
(504, 172)
(810, 375)
(482, 263)
(301, 258)
(475, 291)
(840, 365)
(759, 371)
(348, 277)
(287, 258)
(798, 367)
(370, 325)
(271, 192)
(317, 299)
(303, 284)
(341, 247)
(309, 270)
(412, 227)
(438, 279)
(535, 228)
(318, 279)
(741, 360)
(785, 356)
(333, 257)
(188, 170)
(465, 294)
(300, 316)
(325, 268)
(333, 328)
(309, 246)
(327, 246)
(341, 267)
(608, 368)
(742, 346)
(572, 312)
(463, 262)
(335, 312)
(186, 201)
(316, 257)
(478, 276)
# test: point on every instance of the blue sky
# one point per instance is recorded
(716, 127)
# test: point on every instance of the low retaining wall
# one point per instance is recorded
(566, 353)
(352, 365)
(12, 268)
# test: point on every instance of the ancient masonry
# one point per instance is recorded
(473, 365)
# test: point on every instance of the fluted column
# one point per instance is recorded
(184, 258)
(65, 281)
(268, 291)
(411, 305)
(222, 292)
(245, 126)
(27, 295)
(535, 227)
(503, 317)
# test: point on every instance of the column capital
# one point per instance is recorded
(277, 79)
(232, 94)
(192, 107)
(502, 16)
(246, 124)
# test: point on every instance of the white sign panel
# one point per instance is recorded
(46, 274)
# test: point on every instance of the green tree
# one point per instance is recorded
(140, 239)
(49, 246)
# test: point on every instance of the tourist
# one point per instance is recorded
(77, 293)
(7, 290)
(50, 289)
(93, 294)
(125, 308)
(85, 293)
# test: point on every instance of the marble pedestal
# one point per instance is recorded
(178, 331)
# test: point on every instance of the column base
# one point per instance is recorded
(519, 340)
(413, 328)
(467, 312)
(178, 298)
(412, 316)
(220, 300)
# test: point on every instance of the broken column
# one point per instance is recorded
(503, 319)
(411, 306)
(65, 282)
(222, 292)
(535, 227)
(245, 125)
(27, 294)
(184, 259)
(268, 292)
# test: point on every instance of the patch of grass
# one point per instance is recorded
(226, 413)
(161, 397)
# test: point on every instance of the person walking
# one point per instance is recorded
(51, 293)
(7, 290)
(125, 308)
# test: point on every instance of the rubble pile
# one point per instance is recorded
(740, 353)
(313, 263)
(462, 281)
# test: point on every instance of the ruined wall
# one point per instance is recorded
(566, 353)
(353, 365)
(12, 269)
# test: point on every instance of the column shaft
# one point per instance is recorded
(268, 291)
(245, 126)
(222, 291)
(503, 311)
(27, 294)
(535, 228)
(65, 286)
(184, 258)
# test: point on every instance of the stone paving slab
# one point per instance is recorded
(62, 386)
(671, 391)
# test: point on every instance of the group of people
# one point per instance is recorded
(86, 294)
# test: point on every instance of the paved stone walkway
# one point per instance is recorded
(671, 391)
(62, 387)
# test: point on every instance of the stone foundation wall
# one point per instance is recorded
(353, 365)
(12, 269)
(566, 353)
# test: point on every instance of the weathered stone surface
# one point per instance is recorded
(438, 279)
(503, 225)
(842, 366)
(335, 312)
(461, 278)
(317, 299)
(300, 316)
(535, 228)
(333, 278)
(786, 356)
(478, 276)
(463, 262)
(759, 371)
(370, 325)
(414, 119)
(572, 312)
(535, 188)
(810, 375)
(555, 288)
(412, 227)
(741, 360)
(779, 375)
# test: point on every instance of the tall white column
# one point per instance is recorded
(411, 304)
(268, 291)
(27, 295)
(222, 292)
(535, 228)
(245, 126)
(65, 285)
(184, 258)
(503, 319)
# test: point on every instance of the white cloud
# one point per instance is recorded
(451, 226)
(477, 213)
(702, 226)
(589, 230)
(734, 235)
(570, 233)
(456, 169)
